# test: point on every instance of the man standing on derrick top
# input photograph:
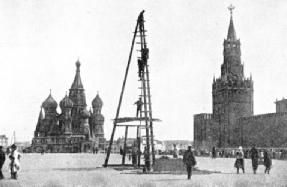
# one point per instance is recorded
(139, 104)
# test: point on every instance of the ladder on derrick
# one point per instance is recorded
(145, 90)
(146, 114)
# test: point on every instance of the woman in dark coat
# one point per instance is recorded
(254, 158)
(267, 160)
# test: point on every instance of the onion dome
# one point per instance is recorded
(66, 102)
(85, 113)
(99, 117)
(97, 102)
(50, 103)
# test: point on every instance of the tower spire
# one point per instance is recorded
(77, 81)
(231, 30)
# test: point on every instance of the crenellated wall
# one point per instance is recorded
(266, 130)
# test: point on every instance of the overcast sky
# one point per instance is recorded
(40, 41)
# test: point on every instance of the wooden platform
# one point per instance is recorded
(130, 119)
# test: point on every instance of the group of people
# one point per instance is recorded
(257, 158)
(231, 153)
(14, 165)
(134, 153)
(264, 158)
(141, 65)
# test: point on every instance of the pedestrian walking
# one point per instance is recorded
(121, 151)
(14, 165)
(189, 161)
(254, 158)
(267, 161)
(134, 155)
(175, 152)
(239, 163)
(2, 161)
(213, 152)
(146, 159)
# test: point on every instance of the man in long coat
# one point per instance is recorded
(213, 152)
(267, 160)
(189, 161)
(2, 160)
(254, 158)
(134, 155)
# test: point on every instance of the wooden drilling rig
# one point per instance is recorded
(146, 113)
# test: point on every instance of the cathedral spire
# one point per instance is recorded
(77, 81)
(40, 114)
(231, 30)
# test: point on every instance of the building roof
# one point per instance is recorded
(3, 136)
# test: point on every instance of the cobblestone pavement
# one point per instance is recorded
(86, 170)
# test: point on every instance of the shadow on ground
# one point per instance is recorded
(82, 169)
(140, 172)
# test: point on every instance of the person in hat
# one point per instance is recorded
(2, 160)
(254, 158)
(239, 163)
(189, 161)
(14, 165)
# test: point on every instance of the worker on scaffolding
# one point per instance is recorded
(141, 65)
(143, 62)
(145, 55)
(139, 104)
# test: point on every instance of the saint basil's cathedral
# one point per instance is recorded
(74, 130)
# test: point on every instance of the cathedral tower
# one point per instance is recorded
(98, 119)
(232, 93)
(50, 122)
(39, 124)
(65, 119)
(77, 95)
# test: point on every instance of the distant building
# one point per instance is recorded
(232, 122)
(180, 144)
(74, 130)
(158, 145)
(281, 106)
(3, 140)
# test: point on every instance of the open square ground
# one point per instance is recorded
(86, 170)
